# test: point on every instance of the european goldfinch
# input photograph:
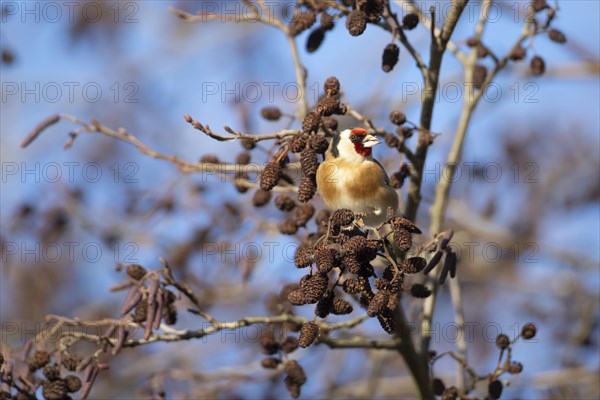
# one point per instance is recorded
(350, 177)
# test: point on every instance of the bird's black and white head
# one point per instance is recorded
(353, 144)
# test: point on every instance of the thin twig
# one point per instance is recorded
(184, 166)
(187, 291)
(300, 75)
(205, 17)
(459, 319)
(237, 135)
(474, 376)
(173, 335)
(367, 123)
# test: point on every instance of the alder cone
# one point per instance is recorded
(307, 189)
(288, 227)
(332, 86)
(298, 143)
(261, 198)
(270, 176)
(327, 21)
(356, 22)
(39, 360)
(390, 57)
(378, 304)
(308, 334)
(315, 288)
(397, 117)
(373, 9)
(297, 297)
(302, 214)
(136, 271)
(309, 161)
(304, 256)
(402, 238)
(301, 22)
(315, 39)
(387, 322)
(295, 372)
(311, 122)
(285, 202)
(323, 307)
(319, 144)
(270, 113)
(54, 390)
(73, 383)
(329, 106)
(413, 265)
(419, 291)
(325, 259)
(341, 217)
(341, 307)
(410, 21)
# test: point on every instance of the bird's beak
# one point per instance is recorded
(370, 141)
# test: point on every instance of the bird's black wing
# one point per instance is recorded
(385, 175)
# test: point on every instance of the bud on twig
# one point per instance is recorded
(557, 36)
(537, 66)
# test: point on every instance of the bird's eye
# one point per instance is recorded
(354, 138)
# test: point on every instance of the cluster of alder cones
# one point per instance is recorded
(342, 262)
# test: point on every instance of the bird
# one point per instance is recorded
(349, 177)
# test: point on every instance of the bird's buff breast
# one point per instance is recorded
(355, 187)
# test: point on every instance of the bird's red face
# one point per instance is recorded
(362, 141)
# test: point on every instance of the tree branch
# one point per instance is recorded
(442, 191)
(173, 335)
(437, 50)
